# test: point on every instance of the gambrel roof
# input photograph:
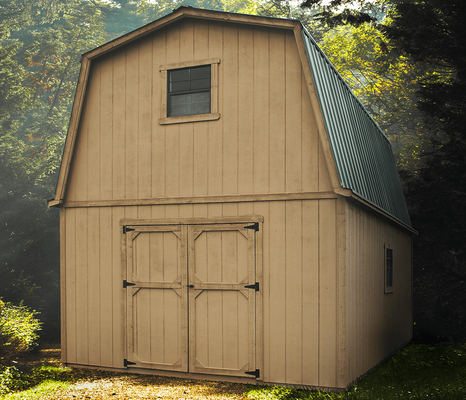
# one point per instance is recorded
(358, 155)
(362, 153)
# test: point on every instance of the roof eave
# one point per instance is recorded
(350, 194)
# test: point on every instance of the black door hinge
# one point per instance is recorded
(126, 284)
(126, 229)
(255, 373)
(254, 286)
(254, 226)
(126, 362)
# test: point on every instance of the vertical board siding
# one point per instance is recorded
(378, 323)
(296, 263)
(264, 142)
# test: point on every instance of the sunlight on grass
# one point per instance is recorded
(415, 372)
(44, 388)
(45, 379)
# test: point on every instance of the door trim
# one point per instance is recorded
(148, 225)
(191, 221)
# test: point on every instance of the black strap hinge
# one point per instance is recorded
(255, 373)
(126, 284)
(254, 286)
(126, 362)
(126, 229)
(254, 226)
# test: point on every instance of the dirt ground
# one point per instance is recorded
(97, 384)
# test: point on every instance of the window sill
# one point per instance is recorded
(189, 118)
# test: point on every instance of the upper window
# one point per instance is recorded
(190, 91)
(388, 270)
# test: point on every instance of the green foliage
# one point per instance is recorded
(290, 10)
(432, 32)
(385, 82)
(415, 372)
(41, 381)
(41, 43)
(334, 13)
(39, 391)
(18, 329)
(11, 379)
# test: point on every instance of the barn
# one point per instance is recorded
(229, 210)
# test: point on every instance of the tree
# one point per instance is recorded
(432, 31)
(385, 82)
(347, 12)
(41, 43)
(429, 33)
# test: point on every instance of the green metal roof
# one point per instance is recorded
(362, 153)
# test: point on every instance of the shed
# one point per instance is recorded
(229, 210)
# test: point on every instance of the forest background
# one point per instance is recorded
(404, 59)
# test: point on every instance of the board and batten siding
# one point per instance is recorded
(302, 289)
(265, 142)
(324, 318)
(378, 323)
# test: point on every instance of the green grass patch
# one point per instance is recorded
(40, 382)
(415, 372)
(42, 389)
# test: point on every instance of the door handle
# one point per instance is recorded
(190, 286)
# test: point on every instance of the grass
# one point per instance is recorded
(416, 372)
(44, 380)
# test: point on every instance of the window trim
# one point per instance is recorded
(387, 247)
(213, 115)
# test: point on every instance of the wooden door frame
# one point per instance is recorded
(248, 219)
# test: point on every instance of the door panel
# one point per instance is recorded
(157, 302)
(188, 307)
(221, 309)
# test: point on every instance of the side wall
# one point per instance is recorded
(378, 323)
(302, 287)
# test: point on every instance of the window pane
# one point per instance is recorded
(200, 103)
(180, 86)
(389, 268)
(189, 104)
(179, 75)
(200, 84)
(200, 72)
(178, 105)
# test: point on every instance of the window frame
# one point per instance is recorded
(213, 115)
(388, 264)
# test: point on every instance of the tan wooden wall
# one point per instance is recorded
(378, 323)
(264, 142)
(301, 293)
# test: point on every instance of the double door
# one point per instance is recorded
(191, 298)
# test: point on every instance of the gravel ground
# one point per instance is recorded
(97, 384)
(150, 387)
